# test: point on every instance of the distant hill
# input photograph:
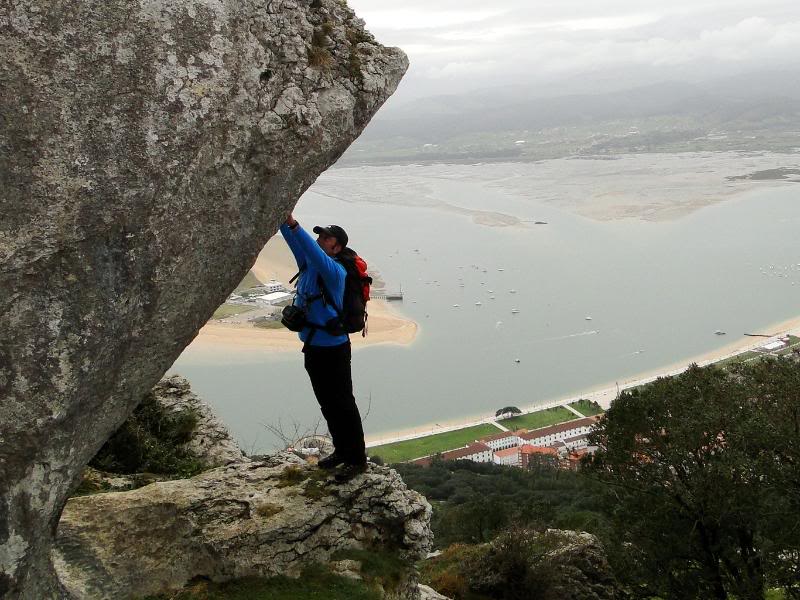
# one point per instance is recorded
(759, 111)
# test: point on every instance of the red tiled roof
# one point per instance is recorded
(559, 428)
(528, 449)
(475, 448)
(507, 452)
(497, 436)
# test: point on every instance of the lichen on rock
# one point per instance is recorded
(148, 150)
(231, 522)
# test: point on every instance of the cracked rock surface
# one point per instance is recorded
(245, 519)
(148, 150)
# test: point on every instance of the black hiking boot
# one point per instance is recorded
(330, 462)
(350, 470)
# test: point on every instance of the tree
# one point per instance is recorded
(706, 467)
(507, 411)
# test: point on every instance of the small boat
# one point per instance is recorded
(588, 318)
(516, 360)
(512, 291)
(491, 297)
(719, 332)
(477, 304)
(514, 311)
(501, 269)
(456, 305)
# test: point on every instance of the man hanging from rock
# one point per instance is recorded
(319, 301)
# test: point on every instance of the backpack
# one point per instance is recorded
(353, 316)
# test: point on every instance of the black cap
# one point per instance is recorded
(333, 231)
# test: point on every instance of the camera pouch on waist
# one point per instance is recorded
(294, 318)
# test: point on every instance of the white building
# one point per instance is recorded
(546, 436)
(509, 457)
(274, 286)
(274, 297)
(502, 440)
(577, 442)
(476, 452)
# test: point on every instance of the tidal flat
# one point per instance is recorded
(641, 260)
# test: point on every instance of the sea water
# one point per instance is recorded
(517, 315)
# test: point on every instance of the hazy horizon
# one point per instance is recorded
(569, 47)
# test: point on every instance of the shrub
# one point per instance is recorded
(151, 440)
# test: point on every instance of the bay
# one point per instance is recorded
(655, 293)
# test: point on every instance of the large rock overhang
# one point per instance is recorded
(147, 152)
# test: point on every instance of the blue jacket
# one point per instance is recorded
(313, 262)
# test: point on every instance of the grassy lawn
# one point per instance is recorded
(541, 418)
(425, 446)
(226, 310)
(587, 407)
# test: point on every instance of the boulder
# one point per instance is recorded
(211, 441)
(148, 150)
(555, 563)
(246, 519)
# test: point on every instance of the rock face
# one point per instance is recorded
(147, 152)
(211, 441)
(246, 519)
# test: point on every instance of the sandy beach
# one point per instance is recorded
(602, 394)
(275, 261)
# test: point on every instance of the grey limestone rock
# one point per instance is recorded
(211, 440)
(148, 150)
(245, 519)
(428, 593)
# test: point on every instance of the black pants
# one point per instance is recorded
(328, 368)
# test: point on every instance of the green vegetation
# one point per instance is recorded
(151, 440)
(318, 54)
(227, 310)
(587, 407)
(432, 444)
(507, 411)
(378, 566)
(541, 418)
(706, 472)
(292, 475)
(694, 493)
(474, 502)
(522, 564)
(315, 583)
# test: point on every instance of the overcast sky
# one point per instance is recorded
(459, 45)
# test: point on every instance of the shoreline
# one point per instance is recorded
(384, 326)
(603, 394)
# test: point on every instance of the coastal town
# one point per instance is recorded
(562, 445)
(563, 441)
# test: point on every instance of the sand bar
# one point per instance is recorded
(384, 325)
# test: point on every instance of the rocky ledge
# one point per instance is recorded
(245, 519)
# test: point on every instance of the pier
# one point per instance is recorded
(389, 296)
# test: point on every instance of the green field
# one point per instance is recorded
(587, 407)
(425, 446)
(227, 310)
(541, 418)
